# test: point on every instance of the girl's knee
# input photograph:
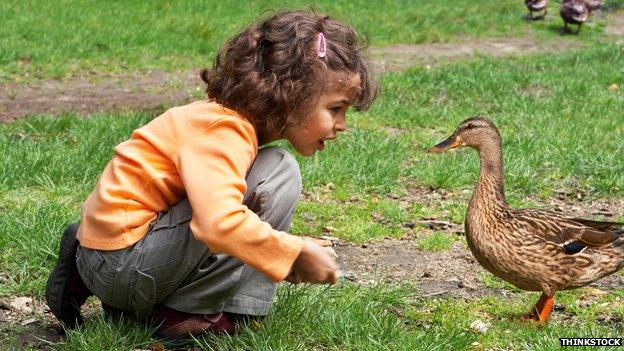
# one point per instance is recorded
(277, 169)
(285, 164)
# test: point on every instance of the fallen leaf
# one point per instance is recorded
(479, 326)
(328, 229)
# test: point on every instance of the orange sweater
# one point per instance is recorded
(201, 151)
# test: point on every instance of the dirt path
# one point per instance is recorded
(399, 57)
(616, 28)
(157, 90)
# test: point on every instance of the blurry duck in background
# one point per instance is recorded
(534, 250)
(573, 12)
(536, 6)
(592, 5)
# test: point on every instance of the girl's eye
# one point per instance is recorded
(336, 109)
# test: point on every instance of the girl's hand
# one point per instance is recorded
(315, 264)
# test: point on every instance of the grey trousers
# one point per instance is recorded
(169, 266)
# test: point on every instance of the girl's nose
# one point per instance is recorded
(341, 124)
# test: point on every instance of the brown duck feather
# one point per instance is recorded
(564, 229)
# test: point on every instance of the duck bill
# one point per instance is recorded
(450, 143)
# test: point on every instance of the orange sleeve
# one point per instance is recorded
(213, 170)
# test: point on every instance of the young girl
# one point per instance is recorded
(188, 222)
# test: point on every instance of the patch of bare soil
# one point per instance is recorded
(399, 57)
(452, 272)
(157, 90)
(27, 323)
(153, 90)
(616, 27)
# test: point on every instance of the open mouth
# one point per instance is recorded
(321, 142)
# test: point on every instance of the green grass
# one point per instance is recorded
(367, 218)
(436, 241)
(347, 317)
(41, 39)
(491, 281)
(508, 331)
(344, 318)
(99, 334)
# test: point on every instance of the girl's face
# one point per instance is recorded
(327, 117)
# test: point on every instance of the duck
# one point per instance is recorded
(592, 5)
(537, 6)
(532, 249)
(573, 12)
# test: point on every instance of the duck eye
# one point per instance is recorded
(470, 126)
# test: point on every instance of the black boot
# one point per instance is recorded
(65, 291)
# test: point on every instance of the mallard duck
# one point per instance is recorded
(573, 12)
(592, 5)
(536, 6)
(534, 250)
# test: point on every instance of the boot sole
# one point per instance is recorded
(59, 278)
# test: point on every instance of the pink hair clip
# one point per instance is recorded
(321, 46)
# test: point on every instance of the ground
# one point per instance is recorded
(453, 272)
(155, 90)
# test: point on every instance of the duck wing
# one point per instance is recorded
(572, 234)
(599, 224)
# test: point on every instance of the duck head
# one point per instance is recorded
(473, 132)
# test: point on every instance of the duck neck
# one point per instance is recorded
(489, 188)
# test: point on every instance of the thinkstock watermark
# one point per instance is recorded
(590, 341)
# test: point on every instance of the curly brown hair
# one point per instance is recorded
(271, 72)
